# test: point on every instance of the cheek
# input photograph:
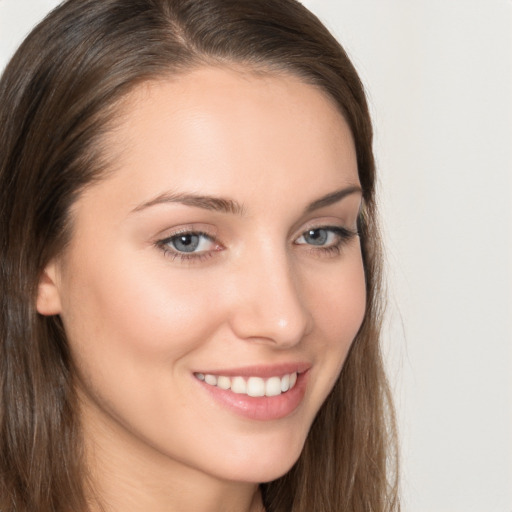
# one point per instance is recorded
(126, 313)
(131, 331)
(342, 299)
(339, 307)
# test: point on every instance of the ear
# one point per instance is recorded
(48, 297)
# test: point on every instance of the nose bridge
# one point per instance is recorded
(270, 305)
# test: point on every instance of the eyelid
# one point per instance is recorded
(201, 228)
(341, 231)
(163, 243)
(329, 222)
(342, 236)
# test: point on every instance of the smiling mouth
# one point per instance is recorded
(251, 386)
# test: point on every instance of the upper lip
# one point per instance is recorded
(263, 371)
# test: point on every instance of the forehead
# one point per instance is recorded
(217, 128)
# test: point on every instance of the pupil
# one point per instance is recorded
(317, 236)
(186, 243)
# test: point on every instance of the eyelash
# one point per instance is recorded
(343, 236)
(183, 256)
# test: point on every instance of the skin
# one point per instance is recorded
(140, 320)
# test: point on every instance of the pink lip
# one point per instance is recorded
(263, 371)
(259, 408)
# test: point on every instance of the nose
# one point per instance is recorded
(269, 304)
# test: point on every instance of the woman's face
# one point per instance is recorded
(214, 280)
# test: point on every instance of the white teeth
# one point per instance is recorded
(238, 385)
(210, 379)
(253, 386)
(223, 382)
(273, 386)
(285, 383)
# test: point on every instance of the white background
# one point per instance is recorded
(439, 79)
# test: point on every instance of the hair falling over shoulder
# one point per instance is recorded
(58, 96)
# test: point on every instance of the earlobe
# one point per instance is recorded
(48, 297)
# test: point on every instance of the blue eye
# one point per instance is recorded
(326, 239)
(318, 236)
(321, 236)
(188, 244)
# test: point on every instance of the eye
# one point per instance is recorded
(190, 242)
(318, 236)
(188, 245)
(328, 239)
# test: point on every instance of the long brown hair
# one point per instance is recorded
(58, 97)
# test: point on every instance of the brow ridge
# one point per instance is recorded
(225, 205)
(212, 203)
(332, 198)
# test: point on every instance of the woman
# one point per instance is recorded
(190, 265)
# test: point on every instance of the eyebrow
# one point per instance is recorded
(225, 205)
(333, 198)
(216, 204)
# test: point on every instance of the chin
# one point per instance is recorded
(261, 465)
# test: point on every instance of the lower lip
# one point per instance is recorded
(264, 408)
